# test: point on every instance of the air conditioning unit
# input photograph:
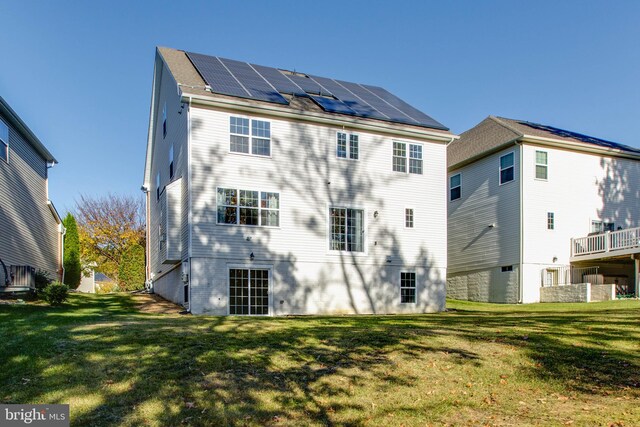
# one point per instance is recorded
(22, 276)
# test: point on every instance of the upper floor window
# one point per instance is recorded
(171, 162)
(506, 168)
(347, 229)
(408, 218)
(401, 154)
(407, 287)
(550, 221)
(601, 226)
(455, 187)
(347, 146)
(248, 207)
(4, 141)
(250, 136)
(541, 165)
(158, 186)
(164, 120)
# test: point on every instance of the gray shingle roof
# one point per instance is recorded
(495, 133)
(191, 82)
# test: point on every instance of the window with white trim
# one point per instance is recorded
(347, 146)
(408, 217)
(346, 228)
(248, 207)
(506, 168)
(455, 187)
(164, 120)
(601, 226)
(550, 221)
(249, 136)
(4, 141)
(171, 162)
(402, 153)
(541, 165)
(407, 287)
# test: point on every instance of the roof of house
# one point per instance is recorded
(495, 133)
(217, 77)
(15, 120)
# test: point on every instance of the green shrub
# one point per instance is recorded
(106, 287)
(55, 293)
(72, 266)
(42, 280)
(131, 274)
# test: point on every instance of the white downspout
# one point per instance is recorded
(63, 232)
(520, 272)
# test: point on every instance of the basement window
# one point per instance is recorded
(507, 268)
(407, 287)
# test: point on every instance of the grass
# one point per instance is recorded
(477, 364)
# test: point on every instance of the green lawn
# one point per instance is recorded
(478, 364)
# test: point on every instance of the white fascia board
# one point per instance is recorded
(354, 123)
(578, 146)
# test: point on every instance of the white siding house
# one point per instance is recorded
(511, 235)
(31, 231)
(285, 201)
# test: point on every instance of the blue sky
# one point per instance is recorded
(79, 72)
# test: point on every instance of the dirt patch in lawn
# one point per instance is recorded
(152, 303)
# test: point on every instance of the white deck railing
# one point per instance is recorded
(610, 241)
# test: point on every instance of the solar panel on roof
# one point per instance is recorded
(308, 85)
(580, 137)
(378, 103)
(279, 80)
(240, 79)
(360, 107)
(217, 76)
(253, 82)
(333, 105)
(416, 114)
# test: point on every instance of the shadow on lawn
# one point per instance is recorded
(131, 368)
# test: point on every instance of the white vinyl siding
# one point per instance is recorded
(586, 188)
(473, 244)
(28, 229)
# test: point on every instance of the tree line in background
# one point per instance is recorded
(106, 234)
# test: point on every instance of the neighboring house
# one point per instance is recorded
(275, 192)
(31, 236)
(532, 206)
